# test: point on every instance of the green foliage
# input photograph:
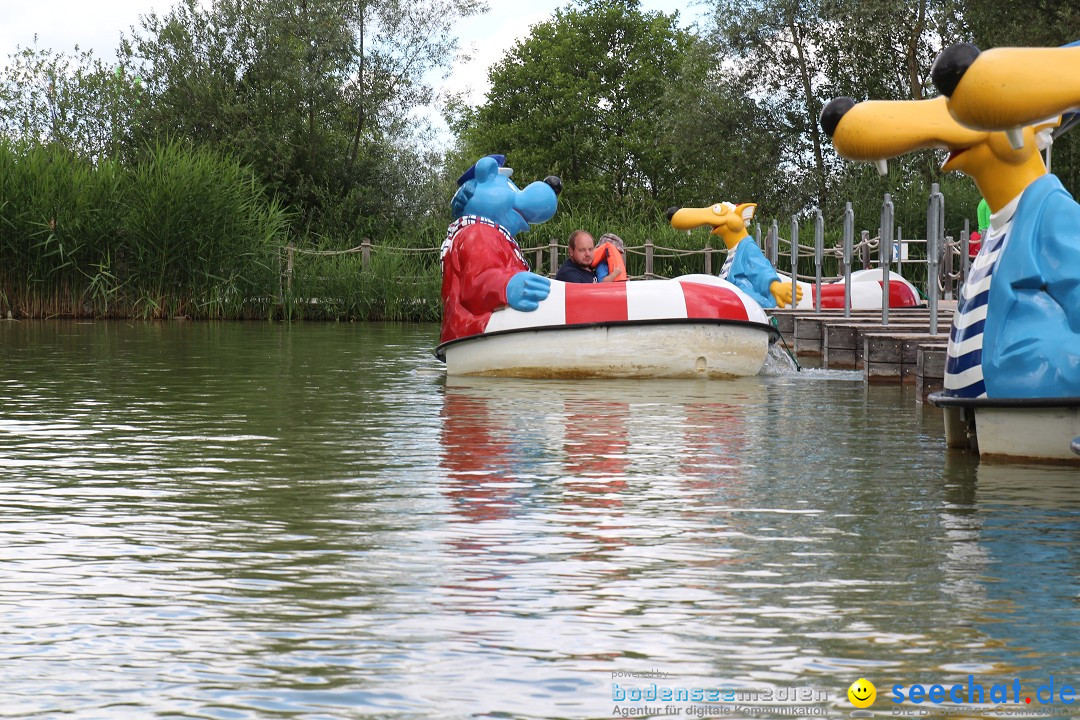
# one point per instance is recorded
(140, 187)
(205, 233)
(799, 54)
(179, 232)
(401, 282)
(317, 96)
(585, 97)
(78, 102)
(394, 287)
(1034, 23)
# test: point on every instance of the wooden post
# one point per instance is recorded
(539, 260)
(649, 259)
(708, 260)
(553, 256)
(290, 253)
(365, 252)
(865, 251)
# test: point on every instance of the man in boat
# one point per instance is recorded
(582, 265)
(579, 255)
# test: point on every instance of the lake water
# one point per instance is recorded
(239, 521)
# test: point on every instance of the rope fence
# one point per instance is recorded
(946, 258)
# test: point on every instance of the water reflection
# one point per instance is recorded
(253, 521)
(1014, 565)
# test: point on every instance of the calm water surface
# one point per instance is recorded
(258, 521)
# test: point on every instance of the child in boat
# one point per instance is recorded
(609, 259)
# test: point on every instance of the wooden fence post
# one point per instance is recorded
(290, 253)
(365, 253)
(539, 260)
(649, 259)
(865, 249)
(774, 244)
(708, 260)
(553, 256)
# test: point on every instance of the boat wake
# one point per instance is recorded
(780, 363)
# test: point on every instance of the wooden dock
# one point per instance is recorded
(904, 351)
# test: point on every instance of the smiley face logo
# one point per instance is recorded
(862, 693)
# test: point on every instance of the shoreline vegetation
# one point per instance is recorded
(230, 158)
(185, 232)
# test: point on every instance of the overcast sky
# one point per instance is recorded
(97, 24)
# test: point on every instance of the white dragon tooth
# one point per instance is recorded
(882, 167)
(1016, 137)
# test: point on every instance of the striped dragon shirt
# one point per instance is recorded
(963, 365)
(727, 264)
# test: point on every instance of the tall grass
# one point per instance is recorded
(188, 232)
(393, 287)
(401, 282)
(203, 236)
(179, 232)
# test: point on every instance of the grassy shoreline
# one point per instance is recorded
(185, 232)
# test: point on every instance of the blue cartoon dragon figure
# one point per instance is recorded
(483, 267)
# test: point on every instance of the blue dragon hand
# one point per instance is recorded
(525, 291)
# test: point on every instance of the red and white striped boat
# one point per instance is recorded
(690, 326)
(866, 291)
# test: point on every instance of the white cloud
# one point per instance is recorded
(487, 39)
(62, 24)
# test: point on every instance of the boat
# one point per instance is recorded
(501, 320)
(748, 268)
(1013, 429)
(1012, 373)
(866, 292)
(693, 326)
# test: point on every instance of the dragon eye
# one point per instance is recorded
(718, 209)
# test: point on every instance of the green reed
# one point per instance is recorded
(398, 283)
(178, 232)
(188, 232)
(206, 236)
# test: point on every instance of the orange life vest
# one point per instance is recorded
(610, 254)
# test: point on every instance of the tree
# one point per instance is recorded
(723, 144)
(77, 102)
(995, 23)
(584, 97)
(798, 54)
(1034, 23)
(317, 95)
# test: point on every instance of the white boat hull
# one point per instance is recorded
(1014, 432)
(1041, 433)
(667, 349)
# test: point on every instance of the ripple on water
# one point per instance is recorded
(258, 521)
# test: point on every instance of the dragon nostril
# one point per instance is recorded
(833, 111)
(951, 65)
(670, 212)
(554, 183)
